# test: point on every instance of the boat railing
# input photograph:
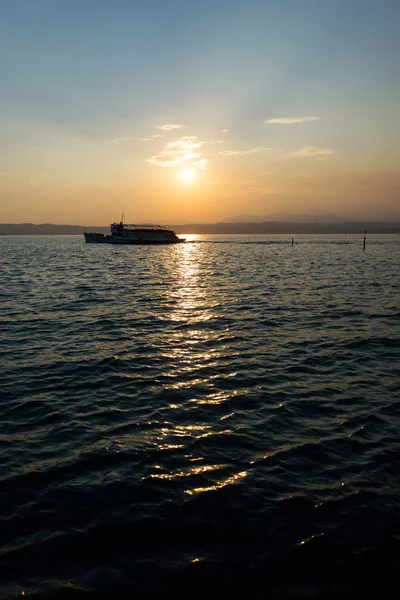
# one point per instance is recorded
(147, 227)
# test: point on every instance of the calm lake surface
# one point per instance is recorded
(218, 418)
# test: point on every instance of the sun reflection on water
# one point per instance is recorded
(216, 397)
(228, 481)
(190, 237)
(188, 473)
(198, 431)
(190, 296)
(192, 357)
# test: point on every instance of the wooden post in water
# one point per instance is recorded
(365, 239)
(292, 241)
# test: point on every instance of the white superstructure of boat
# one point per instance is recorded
(121, 233)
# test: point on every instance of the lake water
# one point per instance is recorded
(218, 418)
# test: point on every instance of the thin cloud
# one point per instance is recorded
(240, 152)
(180, 152)
(289, 120)
(225, 130)
(201, 164)
(12, 175)
(153, 137)
(140, 139)
(217, 142)
(312, 151)
(37, 179)
(171, 126)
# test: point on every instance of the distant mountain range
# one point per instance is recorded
(273, 227)
(286, 218)
(47, 229)
(225, 227)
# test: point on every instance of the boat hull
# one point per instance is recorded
(122, 240)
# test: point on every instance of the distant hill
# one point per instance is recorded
(289, 228)
(47, 229)
(269, 227)
(286, 218)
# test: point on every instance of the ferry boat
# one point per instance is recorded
(120, 233)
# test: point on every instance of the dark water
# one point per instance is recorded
(218, 419)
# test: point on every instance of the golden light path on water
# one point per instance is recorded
(228, 481)
(193, 307)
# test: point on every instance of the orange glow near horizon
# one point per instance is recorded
(225, 189)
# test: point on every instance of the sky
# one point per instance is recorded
(181, 111)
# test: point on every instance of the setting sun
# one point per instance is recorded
(187, 174)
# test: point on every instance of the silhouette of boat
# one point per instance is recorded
(120, 233)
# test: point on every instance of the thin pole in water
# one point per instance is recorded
(365, 239)
(292, 242)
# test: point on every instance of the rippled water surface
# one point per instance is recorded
(219, 418)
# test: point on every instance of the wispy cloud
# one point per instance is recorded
(289, 120)
(153, 137)
(170, 126)
(247, 151)
(217, 142)
(201, 164)
(11, 175)
(312, 151)
(140, 139)
(39, 178)
(28, 178)
(180, 152)
(225, 130)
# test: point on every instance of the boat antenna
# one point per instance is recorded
(122, 218)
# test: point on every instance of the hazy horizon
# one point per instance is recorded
(238, 219)
(193, 113)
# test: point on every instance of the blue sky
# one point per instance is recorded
(79, 77)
